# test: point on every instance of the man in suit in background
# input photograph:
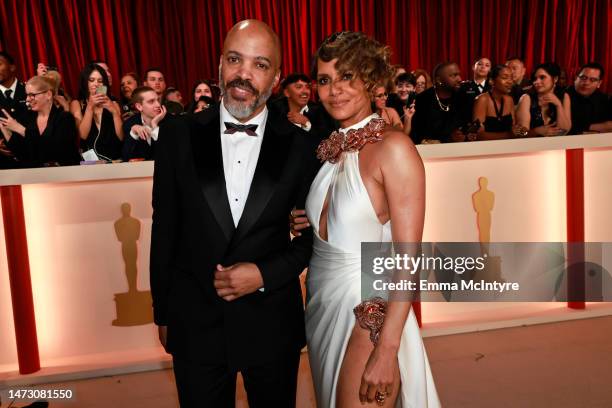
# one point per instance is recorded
(142, 130)
(224, 272)
(295, 103)
(13, 100)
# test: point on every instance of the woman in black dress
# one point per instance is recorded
(202, 88)
(542, 110)
(98, 117)
(48, 136)
(494, 109)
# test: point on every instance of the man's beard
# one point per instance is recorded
(239, 109)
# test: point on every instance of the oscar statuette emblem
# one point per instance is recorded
(134, 307)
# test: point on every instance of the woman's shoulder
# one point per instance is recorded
(395, 140)
(483, 97)
(396, 151)
(525, 98)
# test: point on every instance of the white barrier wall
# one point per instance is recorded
(77, 266)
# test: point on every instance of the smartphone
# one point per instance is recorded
(101, 90)
(411, 99)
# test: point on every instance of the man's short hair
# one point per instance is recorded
(515, 58)
(133, 75)
(440, 67)
(593, 65)
(480, 58)
(169, 90)
(152, 69)
(137, 94)
(8, 57)
(405, 77)
(293, 78)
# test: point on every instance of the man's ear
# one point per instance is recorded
(138, 106)
(286, 92)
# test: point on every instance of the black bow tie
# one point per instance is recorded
(231, 128)
(8, 93)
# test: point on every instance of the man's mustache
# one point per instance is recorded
(242, 83)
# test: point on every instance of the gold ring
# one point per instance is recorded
(380, 397)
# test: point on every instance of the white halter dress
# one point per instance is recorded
(334, 284)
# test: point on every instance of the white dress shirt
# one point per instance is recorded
(240, 153)
(153, 135)
(308, 125)
(12, 88)
(481, 85)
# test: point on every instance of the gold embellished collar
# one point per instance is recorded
(331, 149)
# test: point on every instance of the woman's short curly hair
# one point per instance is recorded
(365, 57)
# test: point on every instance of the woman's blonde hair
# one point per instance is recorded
(56, 77)
(42, 83)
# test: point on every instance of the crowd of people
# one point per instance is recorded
(40, 125)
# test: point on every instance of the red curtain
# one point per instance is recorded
(184, 37)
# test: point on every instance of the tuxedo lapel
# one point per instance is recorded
(272, 157)
(20, 93)
(208, 160)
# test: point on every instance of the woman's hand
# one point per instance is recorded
(10, 123)
(63, 102)
(519, 131)
(551, 98)
(548, 130)
(408, 112)
(96, 100)
(111, 106)
(41, 69)
(378, 375)
(4, 150)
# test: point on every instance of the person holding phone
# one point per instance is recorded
(98, 117)
(389, 115)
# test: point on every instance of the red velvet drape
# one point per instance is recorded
(184, 37)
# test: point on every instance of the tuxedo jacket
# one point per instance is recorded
(16, 106)
(322, 124)
(193, 231)
(135, 148)
(57, 143)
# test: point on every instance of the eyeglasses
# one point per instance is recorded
(33, 95)
(382, 95)
(584, 78)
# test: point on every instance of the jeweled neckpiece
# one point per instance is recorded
(331, 149)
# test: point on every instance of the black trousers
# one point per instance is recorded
(273, 384)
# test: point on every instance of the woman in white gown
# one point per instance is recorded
(371, 188)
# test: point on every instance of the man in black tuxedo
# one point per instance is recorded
(296, 105)
(12, 99)
(224, 272)
(142, 129)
